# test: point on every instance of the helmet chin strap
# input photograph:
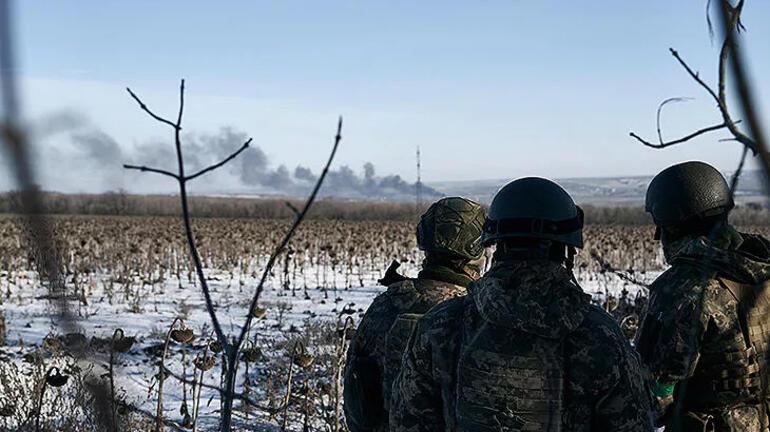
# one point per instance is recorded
(569, 262)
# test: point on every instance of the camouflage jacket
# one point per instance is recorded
(525, 341)
(692, 333)
(367, 376)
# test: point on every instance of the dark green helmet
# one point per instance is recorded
(534, 208)
(687, 191)
(452, 226)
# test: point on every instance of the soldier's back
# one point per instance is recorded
(526, 351)
(712, 305)
(376, 349)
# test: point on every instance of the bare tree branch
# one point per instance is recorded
(144, 108)
(217, 165)
(732, 22)
(737, 174)
(239, 396)
(606, 266)
(290, 233)
(680, 140)
(696, 76)
(742, 85)
(231, 349)
(233, 353)
(181, 107)
(188, 227)
(148, 169)
(294, 209)
(148, 415)
(660, 108)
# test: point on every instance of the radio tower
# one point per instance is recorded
(418, 185)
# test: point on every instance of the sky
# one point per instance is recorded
(486, 89)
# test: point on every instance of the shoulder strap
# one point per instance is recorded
(743, 294)
(740, 291)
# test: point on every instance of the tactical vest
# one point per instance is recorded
(741, 376)
(511, 383)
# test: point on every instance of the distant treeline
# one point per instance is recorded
(117, 203)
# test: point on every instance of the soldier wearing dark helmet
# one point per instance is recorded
(525, 350)
(704, 338)
(450, 235)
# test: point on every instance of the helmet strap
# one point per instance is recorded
(569, 262)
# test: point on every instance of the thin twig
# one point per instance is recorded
(606, 266)
(732, 22)
(180, 177)
(150, 416)
(219, 164)
(660, 109)
(737, 174)
(230, 349)
(144, 108)
(232, 356)
(294, 227)
(293, 208)
(239, 396)
(149, 169)
(695, 76)
(680, 140)
(745, 94)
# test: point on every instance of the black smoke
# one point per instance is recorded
(100, 158)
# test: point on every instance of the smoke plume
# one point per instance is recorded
(96, 160)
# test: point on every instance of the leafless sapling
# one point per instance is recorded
(730, 18)
(231, 347)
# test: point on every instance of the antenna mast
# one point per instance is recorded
(418, 185)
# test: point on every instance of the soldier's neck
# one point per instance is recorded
(444, 273)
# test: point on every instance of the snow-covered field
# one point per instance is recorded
(145, 311)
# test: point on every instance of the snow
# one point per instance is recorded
(146, 311)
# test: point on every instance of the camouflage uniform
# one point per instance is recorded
(704, 338)
(376, 350)
(525, 350)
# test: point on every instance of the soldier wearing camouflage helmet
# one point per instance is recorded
(704, 338)
(525, 350)
(450, 235)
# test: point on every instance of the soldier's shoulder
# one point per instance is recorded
(599, 352)
(401, 287)
(384, 308)
(600, 331)
(448, 311)
(682, 276)
(599, 344)
(401, 295)
(680, 285)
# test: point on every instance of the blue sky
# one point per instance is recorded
(488, 89)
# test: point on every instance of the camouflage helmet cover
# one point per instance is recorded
(452, 226)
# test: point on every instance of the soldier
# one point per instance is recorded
(704, 337)
(450, 234)
(525, 350)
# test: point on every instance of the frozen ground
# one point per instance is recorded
(145, 311)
